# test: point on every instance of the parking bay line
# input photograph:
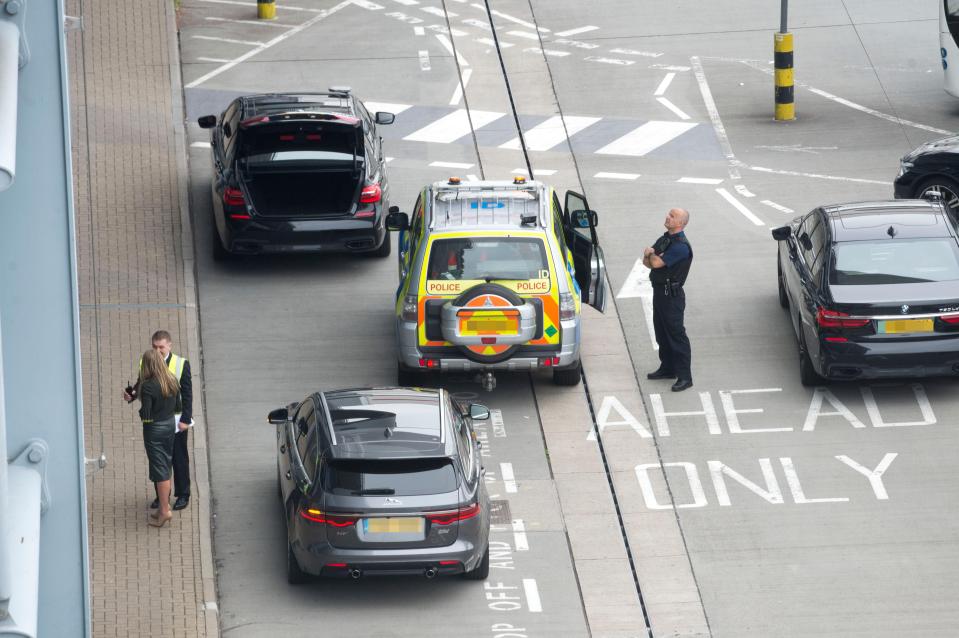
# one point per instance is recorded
(637, 285)
(672, 107)
(509, 480)
(533, 603)
(458, 92)
(252, 43)
(519, 535)
(748, 214)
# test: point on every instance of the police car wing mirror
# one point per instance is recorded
(782, 233)
(397, 220)
(278, 416)
(382, 117)
(207, 121)
(585, 218)
(479, 412)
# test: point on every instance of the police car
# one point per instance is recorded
(493, 275)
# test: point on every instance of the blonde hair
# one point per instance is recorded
(153, 366)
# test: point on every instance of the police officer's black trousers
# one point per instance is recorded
(674, 350)
(181, 463)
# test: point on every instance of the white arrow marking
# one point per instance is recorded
(638, 285)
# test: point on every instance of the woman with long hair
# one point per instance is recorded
(159, 393)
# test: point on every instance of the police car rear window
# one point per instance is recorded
(488, 258)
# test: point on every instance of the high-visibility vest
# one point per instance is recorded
(175, 365)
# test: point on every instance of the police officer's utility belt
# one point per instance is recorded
(671, 288)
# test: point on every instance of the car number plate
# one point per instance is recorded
(399, 525)
(905, 325)
(491, 324)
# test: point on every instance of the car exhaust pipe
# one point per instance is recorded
(430, 572)
(355, 574)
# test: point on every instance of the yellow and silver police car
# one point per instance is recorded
(493, 275)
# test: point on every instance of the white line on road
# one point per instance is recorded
(552, 52)
(419, 31)
(506, 16)
(627, 176)
(836, 178)
(448, 45)
(458, 91)
(661, 89)
(491, 42)
(496, 420)
(202, 59)
(533, 602)
(252, 43)
(739, 206)
(742, 190)
(645, 54)
(369, 6)
(699, 180)
(595, 58)
(576, 43)
(778, 207)
(714, 117)
(259, 23)
(280, 38)
(280, 7)
(519, 536)
(472, 178)
(389, 107)
(402, 17)
(408, 3)
(438, 12)
(646, 138)
(524, 34)
(424, 60)
(200, 145)
(637, 285)
(576, 31)
(669, 67)
(672, 107)
(479, 24)
(451, 165)
(509, 480)
(537, 172)
(553, 131)
(450, 128)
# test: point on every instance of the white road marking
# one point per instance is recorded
(627, 176)
(778, 207)
(524, 34)
(402, 17)
(448, 45)
(874, 476)
(576, 43)
(369, 6)
(322, 15)
(637, 284)
(669, 67)
(458, 91)
(545, 172)
(739, 206)
(472, 178)
(451, 127)
(661, 89)
(595, 58)
(506, 16)
(201, 59)
(200, 145)
(424, 60)
(408, 3)
(792, 479)
(280, 7)
(259, 23)
(438, 12)
(742, 190)
(479, 24)
(419, 31)
(646, 138)
(548, 134)
(451, 165)
(519, 536)
(441, 29)
(509, 480)
(252, 43)
(714, 117)
(551, 52)
(575, 31)
(699, 180)
(836, 178)
(496, 420)
(798, 148)
(645, 54)
(389, 159)
(533, 602)
(672, 107)
(388, 107)
(491, 42)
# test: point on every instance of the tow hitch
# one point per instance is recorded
(487, 380)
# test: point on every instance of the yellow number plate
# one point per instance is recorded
(907, 325)
(395, 525)
(491, 324)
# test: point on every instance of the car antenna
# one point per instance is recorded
(891, 231)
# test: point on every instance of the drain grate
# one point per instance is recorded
(500, 513)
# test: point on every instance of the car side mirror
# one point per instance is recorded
(585, 218)
(397, 221)
(278, 416)
(479, 412)
(782, 233)
(207, 121)
(383, 117)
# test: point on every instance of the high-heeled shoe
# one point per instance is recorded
(159, 520)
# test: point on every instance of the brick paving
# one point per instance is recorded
(135, 276)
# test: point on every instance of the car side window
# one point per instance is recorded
(818, 239)
(369, 129)
(464, 441)
(415, 231)
(304, 419)
(229, 141)
(806, 231)
(558, 225)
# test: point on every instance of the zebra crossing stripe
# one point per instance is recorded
(389, 107)
(548, 134)
(646, 138)
(450, 128)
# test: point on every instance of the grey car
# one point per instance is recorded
(378, 481)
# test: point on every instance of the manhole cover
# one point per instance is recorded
(499, 513)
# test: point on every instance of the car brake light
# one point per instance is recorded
(548, 362)
(336, 565)
(318, 516)
(429, 363)
(567, 306)
(239, 216)
(287, 138)
(448, 518)
(409, 308)
(837, 340)
(835, 319)
(950, 318)
(371, 194)
(254, 120)
(233, 196)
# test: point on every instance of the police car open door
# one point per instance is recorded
(579, 226)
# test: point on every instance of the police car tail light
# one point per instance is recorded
(834, 319)
(548, 362)
(448, 518)
(371, 194)
(953, 319)
(567, 306)
(319, 516)
(429, 363)
(233, 196)
(409, 308)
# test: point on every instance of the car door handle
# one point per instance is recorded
(289, 477)
(282, 449)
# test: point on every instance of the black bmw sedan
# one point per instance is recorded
(872, 289)
(931, 168)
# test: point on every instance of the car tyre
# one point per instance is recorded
(568, 376)
(783, 297)
(220, 253)
(481, 572)
(807, 373)
(948, 187)
(385, 248)
(294, 575)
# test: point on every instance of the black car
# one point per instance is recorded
(931, 168)
(298, 172)
(872, 289)
(382, 481)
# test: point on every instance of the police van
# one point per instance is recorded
(493, 275)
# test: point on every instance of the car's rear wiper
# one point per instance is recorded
(489, 278)
(374, 491)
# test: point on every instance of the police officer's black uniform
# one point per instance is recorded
(669, 305)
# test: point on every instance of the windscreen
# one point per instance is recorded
(489, 258)
(896, 261)
(412, 477)
(280, 143)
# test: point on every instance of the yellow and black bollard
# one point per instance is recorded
(266, 9)
(785, 106)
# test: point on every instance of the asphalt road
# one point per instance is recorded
(750, 506)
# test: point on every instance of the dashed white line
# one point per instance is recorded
(251, 43)
(419, 31)
(576, 31)
(524, 34)
(448, 45)
(699, 180)
(596, 58)
(645, 54)
(550, 52)
(836, 178)
(537, 172)
(742, 190)
(450, 165)
(661, 89)
(678, 112)
(714, 117)
(365, 4)
(402, 17)
(509, 480)
(519, 536)
(202, 59)
(491, 42)
(625, 176)
(669, 67)
(472, 178)
(479, 24)
(407, 3)
(533, 602)
(200, 145)
(424, 60)
(458, 91)
(259, 23)
(748, 214)
(778, 207)
(438, 12)
(577, 44)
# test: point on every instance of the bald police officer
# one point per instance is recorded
(668, 261)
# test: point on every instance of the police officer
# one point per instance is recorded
(668, 261)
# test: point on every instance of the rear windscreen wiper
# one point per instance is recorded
(386, 491)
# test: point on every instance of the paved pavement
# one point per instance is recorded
(135, 270)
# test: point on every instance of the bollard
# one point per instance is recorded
(785, 106)
(266, 9)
